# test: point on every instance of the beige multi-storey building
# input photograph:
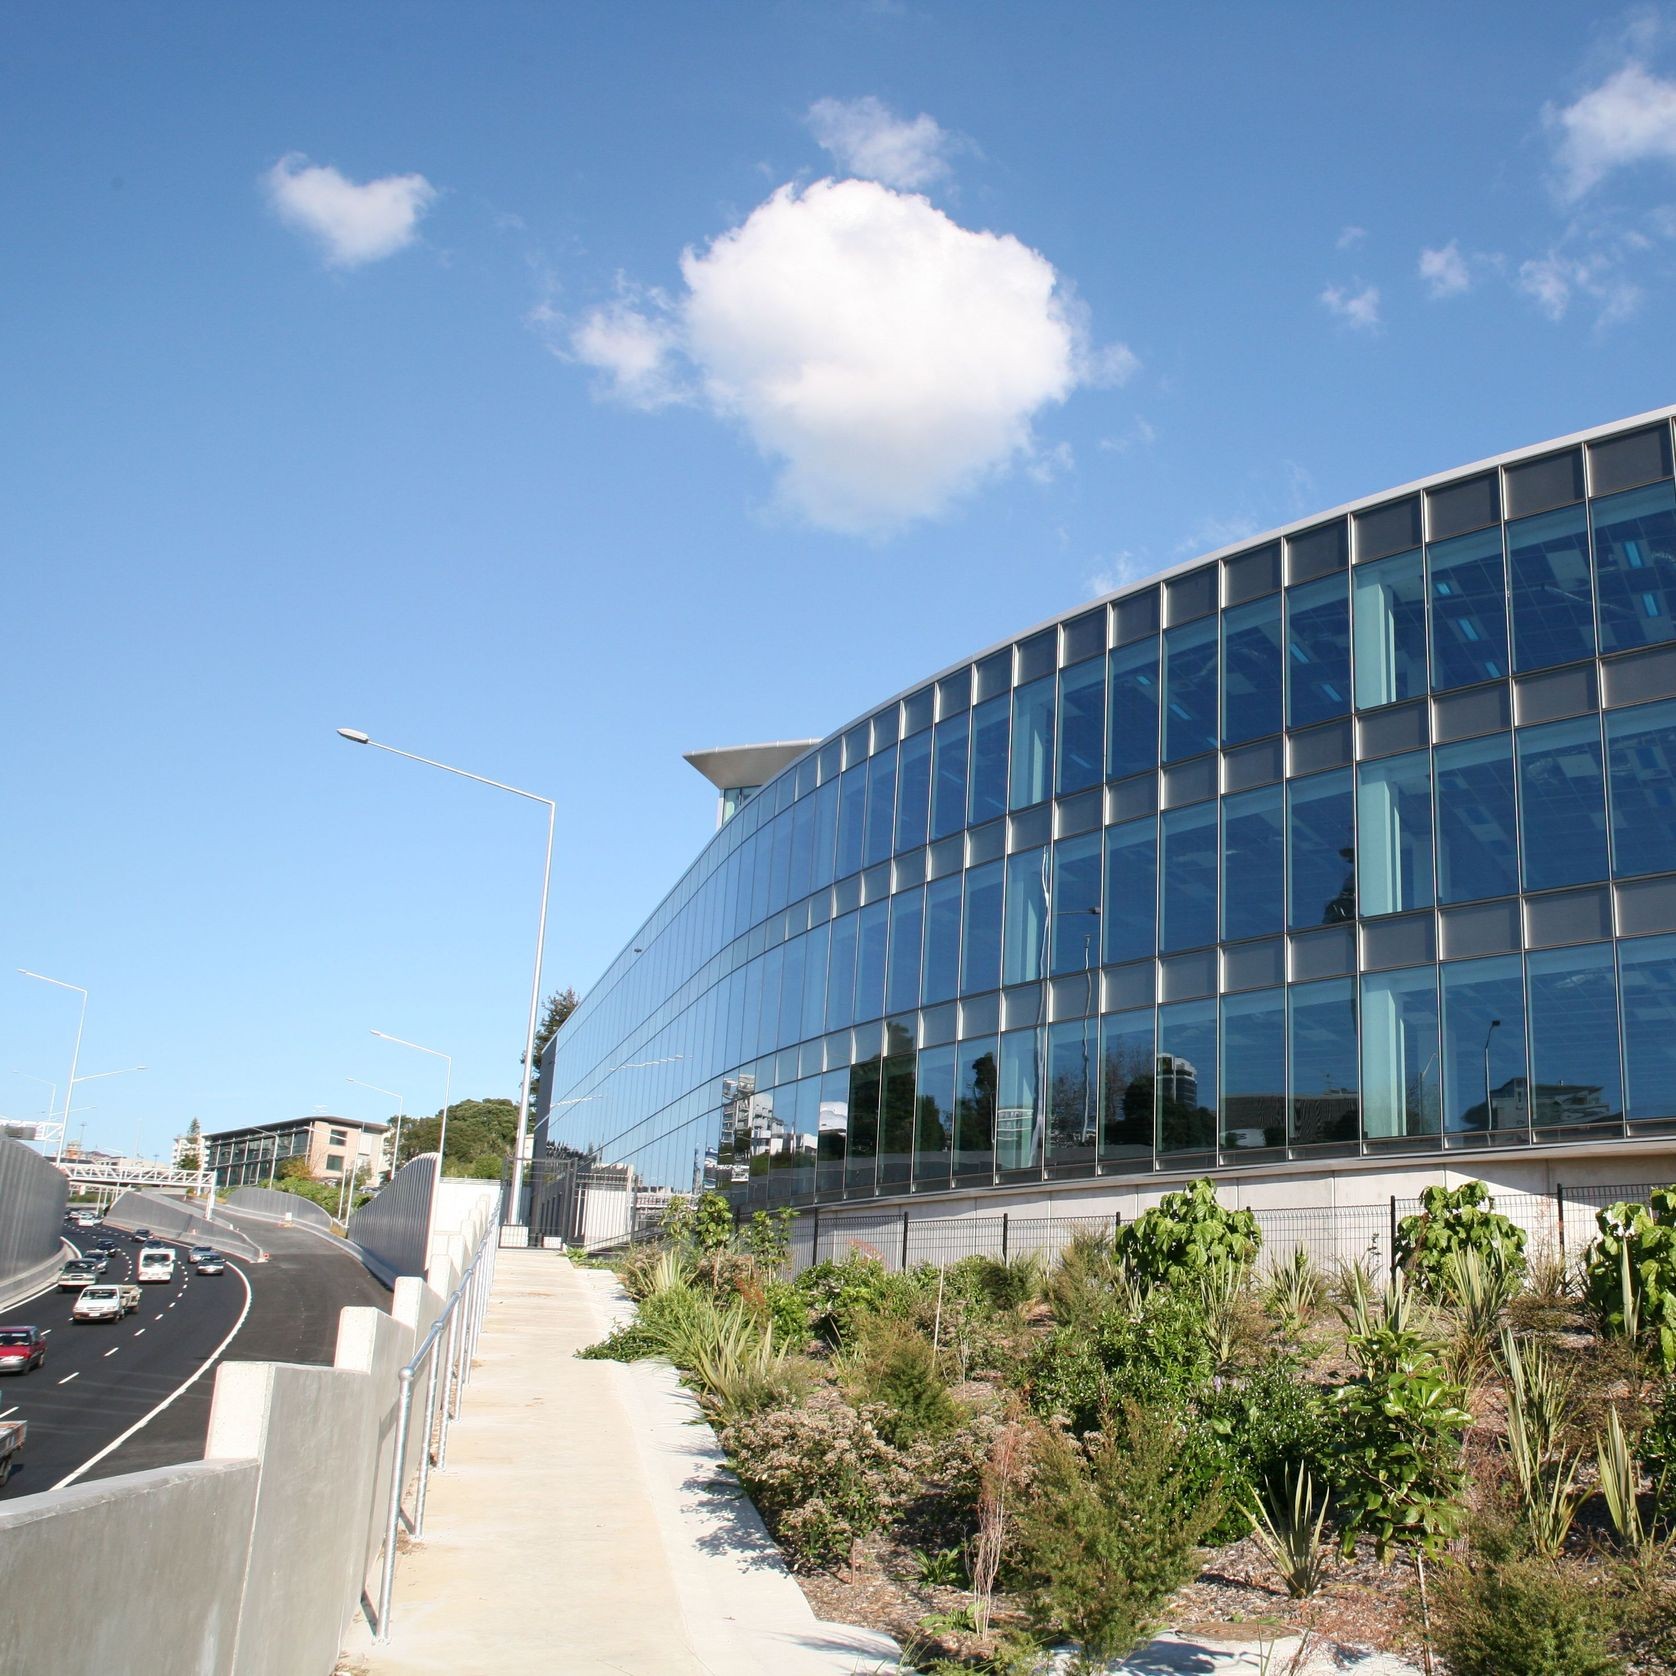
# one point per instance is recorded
(332, 1147)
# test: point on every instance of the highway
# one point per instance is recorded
(114, 1398)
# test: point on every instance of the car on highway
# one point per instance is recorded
(101, 1260)
(140, 1235)
(157, 1262)
(77, 1273)
(12, 1434)
(105, 1244)
(105, 1303)
(85, 1218)
(209, 1262)
(21, 1349)
(198, 1251)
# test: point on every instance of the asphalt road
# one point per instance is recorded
(104, 1382)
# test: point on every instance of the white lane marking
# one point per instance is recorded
(113, 1350)
(180, 1390)
(171, 1306)
(158, 1316)
(140, 1333)
(45, 1331)
(8, 1414)
(69, 1376)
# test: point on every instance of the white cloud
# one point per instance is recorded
(1048, 465)
(868, 139)
(1553, 282)
(1630, 118)
(353, 224)
(1350, 237)
(1140, 434)
(1118, 571)
(1445, 270)
(1355, 308)
(887, 359)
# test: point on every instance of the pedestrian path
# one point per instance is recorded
(580, 1527)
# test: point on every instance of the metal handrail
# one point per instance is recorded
(462, 1319)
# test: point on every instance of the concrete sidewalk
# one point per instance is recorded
(580, 1528)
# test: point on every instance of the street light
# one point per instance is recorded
(1489, 1110)
(442, 1130)
(356, 737)
(75, 1052)
(401, 1111)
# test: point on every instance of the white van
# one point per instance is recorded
(157, 1262)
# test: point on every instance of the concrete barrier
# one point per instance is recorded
(269, 1201)
(34, 1194)
(390, 1228)
(175, 1220)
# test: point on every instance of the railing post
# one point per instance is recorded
(425, 1452)
(1003, 1236)
(387, 1577)
(904, 1242)
(1393, 1236)
(1559, 1217)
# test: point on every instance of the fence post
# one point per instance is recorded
(904, 1242)
(1003, 1236)
(1117, 1223)
(1559, 1217)
(1393, 1236)
(815, 1238)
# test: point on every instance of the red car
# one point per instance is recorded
(22, 1349)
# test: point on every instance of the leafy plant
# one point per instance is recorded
(841, 1295)
(1233, 1323)
(1522, 1618)
(1288, 1528)
(1620, 1485)
(1082, 1283)
(1185, 1234)
(712, 1222)
(1295, 1291)
(1537, 1411)
(767, 1237)
(1002, 1283)
(1631, 1276)
(896, 1370)
(1476, 1294)
(1451, 1220)
(945, 1568)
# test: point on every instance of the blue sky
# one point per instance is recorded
(554, 389)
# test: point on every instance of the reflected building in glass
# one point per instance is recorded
(1346, 853)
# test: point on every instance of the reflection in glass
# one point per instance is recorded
(1641, 775)
(948, 777)
(1252, 680)
(1401, 1083)
(861, 1153)
(852, 812)
(872, 935)
(1394, 834)
(790, 1023)
(881, 806)
(1127, 1086)
(1187, 1077)
(980, 955)
(1635, 567)
(1322, 1029)
(1072, 1107)
(1132, 738)
(1484, 1083)
(1190, 689)
(1469, 609)
(1032, 772)
(1562, 803)
(1018, 1113)
(1390, 630)
(1553, 603)
(1188, 875)
(1476, 848)
(940, 972)
(896, 1109)
(974, 1109)
(826, 832)
(1321, 879)
(1082, 726)
(907, 911)
(1024, 941)
(802, 849)
(987, 791)
(840, 974)
(1318, 651)
(1253, 864)
(934, 1117)
(1129, 916)
(1253, 1072)
(814, 981)
(1076, 903)
(1574, 1037)
(834, 1123)
(1648, 965)
(913, 791)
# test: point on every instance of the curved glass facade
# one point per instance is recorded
(1357, 840)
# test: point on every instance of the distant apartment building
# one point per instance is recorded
(331, 1147)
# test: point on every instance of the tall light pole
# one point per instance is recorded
(356, 737)
(75, 1052)
(401, 1111)
(442, 1129)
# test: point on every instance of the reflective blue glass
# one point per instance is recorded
(881, 806)
(1024, 942)
(1190, 702)
(834, 1124)
(1073, 1109)
(1252, 680)
(768, 1018)
(940, 971)
(934, 1117)
(1553, 599)
(1321, 875)
(948, 781)
(1394, 834)
(1132, 733)
(1187, 1078)
(1641, 779)
(986, 794)
(1032, 770)
(1187, 871)
(802, 849)
(896, 1109)
(974, 1109)
(1076, 903)
(1648, 967)
(1318, 651)
(1390, 630)
(1562, 803)
(1082, 725)
(872, 937)
(826, 833)
(1254, 864)
(1575, 1078)
(852, 819)
(1635, 567)
(789, 1026)
(1128, 1076)
(1322, 1059)
(861, 1160)
(1018, 1108)
(907, 914)
(1401, 1081)
(814, 980)
(1469, 609)
(1129, 916)
(1484, 1085)
(840, 974)
(1477, 855)
(1253, 1072)
(980, 954)
(913, 791)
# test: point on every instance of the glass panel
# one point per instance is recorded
(1562, 803)
(834, 1121)
(1076, 903)
(1132, 740)
(1254, 1071)
(896, 1109)
(1553, 604)
(881, 806)
(1469, 609)
(1032, 774)
(852, 811)
(814, 980)
(792, 986)
(1476, 852)
(1082, 726)
(980, 963)
(934, 1117)
(1024, 943)
(1321, 880)
(1484, 1085)
(1322, 1029)
(1641, 765)
(907, 912)
(940, 970)
(1574, 1037)
(1131, 899)
(1401, 1087)
(913, 791)
(1127, 1081)
(1072, 1105)
(1394, 834)
(1254, 863)
(1187, 1077)
(1635, 567)
(802, 850)
(1318, 651)
(861, 1163)
(974, 1109)
(1252, 681)
(871, 939)
(1018, 1113)
(840, 974)
(1188, 873)
(1649, 983)
(1190, 690)
(987, 793)
(1390, 630)
(806, 1108)
(826, 832)
(948, 779)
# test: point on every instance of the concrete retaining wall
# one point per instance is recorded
(33, 1193)
(269, 1201)
(390, 1228)
(177, 1221)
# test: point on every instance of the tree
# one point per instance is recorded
(192, 1154)
(560, 1005)
(476, 1129)
(295, 1169)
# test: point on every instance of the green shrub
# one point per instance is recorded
(1657, 1448)
(712, 1222)
(1185, 1235)
(1464, 1219)
(1081, 1285)
(897, 1374)
(1003, 1283)
(767, 1237)
(1262, 1428)
(1109, 1531)
(840, 1295)
(1639, 1240)
(788, 1314)
(1521, 1618)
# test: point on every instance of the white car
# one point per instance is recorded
(105, 1303)
(157, 1262)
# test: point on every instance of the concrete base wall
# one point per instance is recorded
(176, 1220)
(391, 1227)
(288, 1207)
(33, 1193)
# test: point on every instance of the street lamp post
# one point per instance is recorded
(75, 1052)
(401, 1111)
(356, 737)
(442, 1128)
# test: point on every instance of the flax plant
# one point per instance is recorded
(1538, 1406)
(1288, 1529)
